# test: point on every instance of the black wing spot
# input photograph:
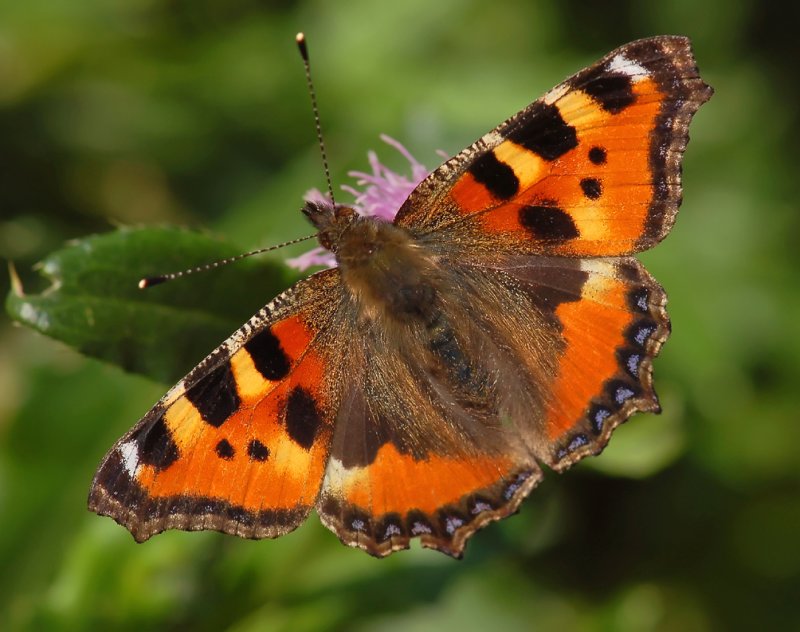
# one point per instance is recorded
(495, 175)
(543, 130)
(156, 445)
(548, 222)
(268, 356)
(257, 451)
(592, 188)
(225, 450)
(215, 396)
(303, 418)
(612, 91)
(598, 155)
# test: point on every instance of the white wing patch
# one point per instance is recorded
(623, 65)
(129, 453)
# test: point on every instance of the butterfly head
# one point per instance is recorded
(331, 222)
(381, 266)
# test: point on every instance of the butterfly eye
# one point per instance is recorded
(326, 241)
(345, 213)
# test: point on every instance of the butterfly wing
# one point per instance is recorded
(419, 448)
(590, 169)
(441, 431)
(240, 444)
(609, 317)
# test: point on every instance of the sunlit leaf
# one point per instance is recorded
(93, 302)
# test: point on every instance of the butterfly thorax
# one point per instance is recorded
(383, 268)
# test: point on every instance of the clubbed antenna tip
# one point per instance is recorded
(301, 44)
(148, 282)
(151, 281)
(300, 38)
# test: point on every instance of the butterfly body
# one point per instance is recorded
(383, 270)
(498, 323)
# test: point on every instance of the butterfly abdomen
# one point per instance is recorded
(454, 364)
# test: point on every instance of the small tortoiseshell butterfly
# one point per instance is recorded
(498, 323)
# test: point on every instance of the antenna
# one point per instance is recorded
(162, 278)
(147, 282)
(300, 38)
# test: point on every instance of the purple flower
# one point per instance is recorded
(381, 194)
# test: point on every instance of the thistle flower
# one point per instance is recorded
(381, 194)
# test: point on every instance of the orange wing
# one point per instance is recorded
(553, 352)
(442, 500)
(395, 477)
(239, 445)
(591, 169)
(612, 322)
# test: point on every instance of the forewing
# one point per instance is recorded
(241, 443)
(591, 169)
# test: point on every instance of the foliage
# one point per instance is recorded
(94, 303)
(142, 113)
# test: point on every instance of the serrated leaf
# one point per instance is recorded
(94, 304)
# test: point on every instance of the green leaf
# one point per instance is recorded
(94, 304)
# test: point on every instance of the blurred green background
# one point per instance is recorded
(195, 113)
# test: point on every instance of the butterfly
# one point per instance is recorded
(500, 323)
